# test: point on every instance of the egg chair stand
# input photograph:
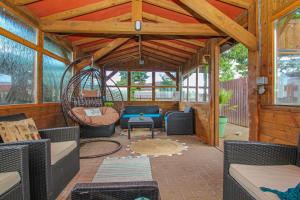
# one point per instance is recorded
(75, 102)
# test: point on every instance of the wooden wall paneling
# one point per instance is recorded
(45, 115)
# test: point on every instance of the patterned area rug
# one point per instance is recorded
(140, 132)
(157, 147)
(124, 169)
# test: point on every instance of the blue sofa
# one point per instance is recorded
(134, 111)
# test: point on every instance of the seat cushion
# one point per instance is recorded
(61, 149)
(8, 180)
(252, 177)
(137, 115)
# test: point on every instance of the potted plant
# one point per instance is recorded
(224, 99)
(108, 104)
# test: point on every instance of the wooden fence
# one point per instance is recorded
(239, 116)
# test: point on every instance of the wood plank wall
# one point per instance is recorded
(277, 124)
(45, 115)
(201, 113)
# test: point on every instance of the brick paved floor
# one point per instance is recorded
(194, 175)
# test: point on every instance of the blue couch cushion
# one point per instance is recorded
(137, 115)
(141, 109)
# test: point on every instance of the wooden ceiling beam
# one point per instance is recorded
(85, 41)
(239, 3)
(136, 10)
(127, 28)
(222, 22)
(84, 10)
(164, 54)
(23, 2)
(118, 54)
(175, 45)
(103, 52)
(162, 62)
(169, 5)
(166, 50)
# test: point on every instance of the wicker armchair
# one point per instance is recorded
(254, 153)
(15, 159)
(117, 191)
(47, 180)
(179, 122)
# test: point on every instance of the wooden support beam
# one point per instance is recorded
(239, 3)
(132, 55)
(193, 42)
(223, 22)
(136, 10)
(171, 76)
(118, 54)
(109, 76)
(103, 52)
(176, 46)
(127, 28)
(84, 9)
(161, 61)
(23, 2)
(85, 40)
(166, 50)
(169, 5)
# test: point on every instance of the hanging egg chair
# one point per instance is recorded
(87, 101)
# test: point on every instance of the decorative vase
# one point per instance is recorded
(222, 123)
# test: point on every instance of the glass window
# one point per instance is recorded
(120, 78)
(287, 59)
(140, 94)
(184, 94)
(192, 94)
(165, 78)
(141, 78)
(52, 73)
(57, 49)
(16, 72)
(113, 94)
(192, 79)
(185, 81)
(166, 94)
(10, 22)
(203, 95)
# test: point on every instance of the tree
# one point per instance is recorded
(234, 61)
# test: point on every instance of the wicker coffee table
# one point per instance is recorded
(146, 122)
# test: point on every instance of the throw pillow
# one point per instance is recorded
(5, 135)
(32, 128)
(92, 112)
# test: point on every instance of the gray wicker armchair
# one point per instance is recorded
(48, 179)
(179, 123)
(14, 169)
(116, 191)
(254, 153)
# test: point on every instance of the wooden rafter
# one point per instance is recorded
(109, 76)
(116, 55)
(23, 2)
(94, 47)
(161, 58)
(132, 55)
(85, 9)
(126, 28)
(162, 62)
(239, 3)
(164, 54)
(85, 40)
(164, 20)
(175, 45)
(167, 50)
(103, 52)
(169, 5)
(222, 21)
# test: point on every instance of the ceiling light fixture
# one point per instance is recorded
(138, 25)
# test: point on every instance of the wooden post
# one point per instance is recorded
(253, 73)
(39, 68)
(153, 86)
(129, 85)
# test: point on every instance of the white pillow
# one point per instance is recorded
(92, 112)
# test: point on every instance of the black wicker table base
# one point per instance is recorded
(119, 147)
